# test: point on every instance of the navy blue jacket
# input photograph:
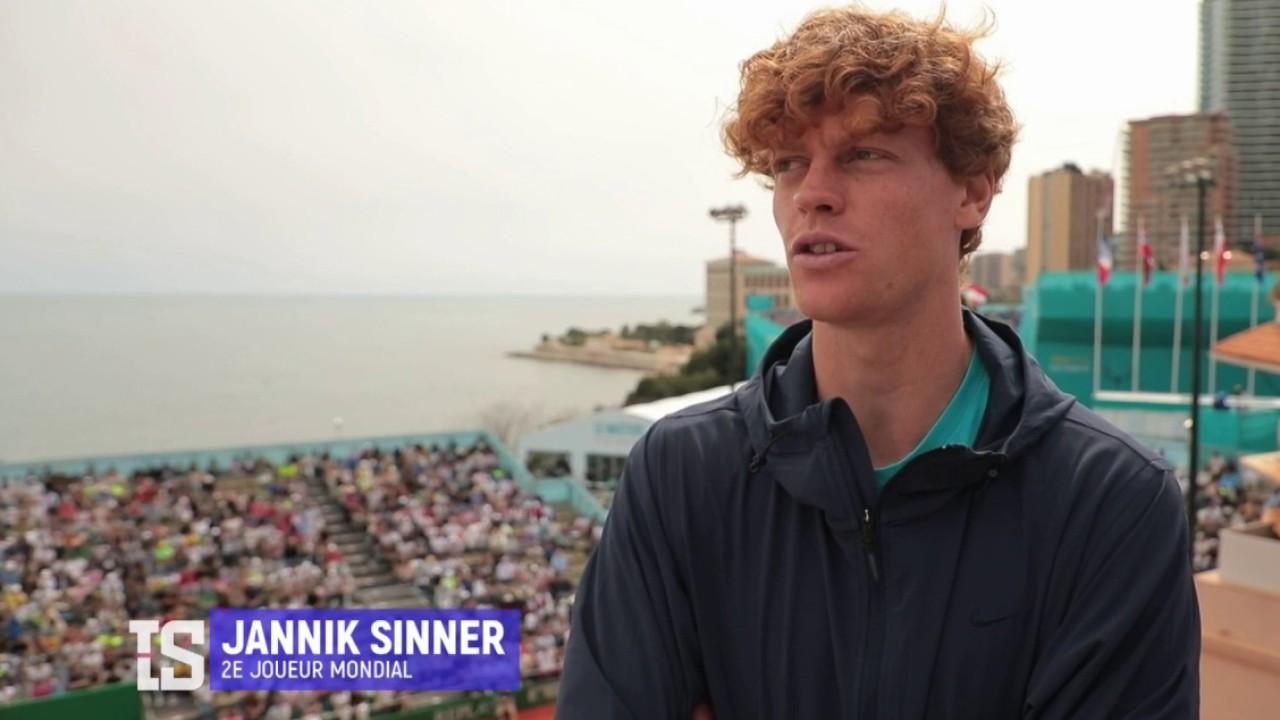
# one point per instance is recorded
(749, 561)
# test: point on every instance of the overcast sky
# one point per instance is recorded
(479, 147)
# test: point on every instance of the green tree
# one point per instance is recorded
(705, 369)
(663, 332)
(574, 336)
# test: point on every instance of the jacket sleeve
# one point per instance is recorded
(1128, 642)
(632, 649)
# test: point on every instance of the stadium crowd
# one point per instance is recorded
(454, 524)
(80, 556)
(1224, 499)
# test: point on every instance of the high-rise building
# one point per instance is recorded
(1020, 264)
(1240, 77)
(993, 270)
(1063, 211)
(1154, 145)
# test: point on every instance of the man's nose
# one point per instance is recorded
(820, 191)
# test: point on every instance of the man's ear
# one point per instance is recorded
(978, 193)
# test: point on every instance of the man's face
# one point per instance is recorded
(886, 205)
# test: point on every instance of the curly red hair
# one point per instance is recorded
(914, 72)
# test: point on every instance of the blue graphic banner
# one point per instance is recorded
(347, 649)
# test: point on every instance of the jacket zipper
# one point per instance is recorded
(873, 633)
(873, 652)
(869, 545)
(874, 649)
(875, 637)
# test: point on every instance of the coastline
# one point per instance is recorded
(614, 359)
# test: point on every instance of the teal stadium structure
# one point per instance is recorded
(1057, 326)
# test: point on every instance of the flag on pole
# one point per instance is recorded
(1257, 247)
(1146, 257)
(974, 295)
(1105, 259)
(1184, 248)
(1219, 252)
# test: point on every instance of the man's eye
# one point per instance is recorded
(864, 154)
(785, 165)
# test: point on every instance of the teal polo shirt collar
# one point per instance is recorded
(957, 424)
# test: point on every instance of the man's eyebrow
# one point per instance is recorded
(857, 141)
(873, 132)
(864, 133)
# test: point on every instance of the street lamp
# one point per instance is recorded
(1197, 173)
(731, 214)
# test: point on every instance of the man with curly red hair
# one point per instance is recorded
(899, 516)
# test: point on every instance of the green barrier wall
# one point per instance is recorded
(572, 491)
(479, 708)
(223, 457)
(108, 702)
(533, 693)
(536, 693)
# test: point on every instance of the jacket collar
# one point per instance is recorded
(786, 421)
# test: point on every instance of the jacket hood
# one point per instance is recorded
(784, 416)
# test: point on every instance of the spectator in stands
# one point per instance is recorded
(1271, 512)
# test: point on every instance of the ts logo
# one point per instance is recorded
(144, 629)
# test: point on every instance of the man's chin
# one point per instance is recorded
(837, 310)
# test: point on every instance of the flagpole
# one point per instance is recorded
(1097, 323)
(1097, 339)
(1219, 266)
(1257, 284)
(1138, 277)
(1177, 307)
(1177, 338)
(1137, 335)
(1213, 334)
(1253, 321)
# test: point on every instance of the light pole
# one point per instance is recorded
(732, 214)
(1197, 173)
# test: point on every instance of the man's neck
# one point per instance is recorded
(897, 376)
